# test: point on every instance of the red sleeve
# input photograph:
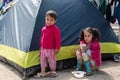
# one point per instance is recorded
(95, 52)
(57, 38)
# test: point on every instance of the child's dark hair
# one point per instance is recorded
(52, 14)
(94, 31)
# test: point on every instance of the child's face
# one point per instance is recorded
(49, 20)
(88, 36)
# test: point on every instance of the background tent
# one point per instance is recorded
(20, 30)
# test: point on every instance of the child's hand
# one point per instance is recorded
(56, 51)
(84, 48)
(40, 49)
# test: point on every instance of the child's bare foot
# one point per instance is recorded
(43, 74)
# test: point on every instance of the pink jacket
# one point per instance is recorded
(50, 37)
(95, 51)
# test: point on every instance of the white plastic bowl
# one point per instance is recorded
(78, 74)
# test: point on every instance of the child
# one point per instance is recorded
(89, 50)
(50, 44)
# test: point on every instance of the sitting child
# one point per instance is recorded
(89, 52)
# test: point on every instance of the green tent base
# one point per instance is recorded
(29, 63)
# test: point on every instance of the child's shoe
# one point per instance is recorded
(88, 68)
(78, 66)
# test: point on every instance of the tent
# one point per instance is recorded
(20, 29)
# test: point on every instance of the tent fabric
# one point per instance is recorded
(29, 59)
(29, 63)
(14, 55)
(70, 24)
(109, 47)
(18, 24)
(2, 3)
(20, 30)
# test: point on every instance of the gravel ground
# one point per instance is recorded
(110, 70)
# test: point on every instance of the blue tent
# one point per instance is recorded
(20, 29)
